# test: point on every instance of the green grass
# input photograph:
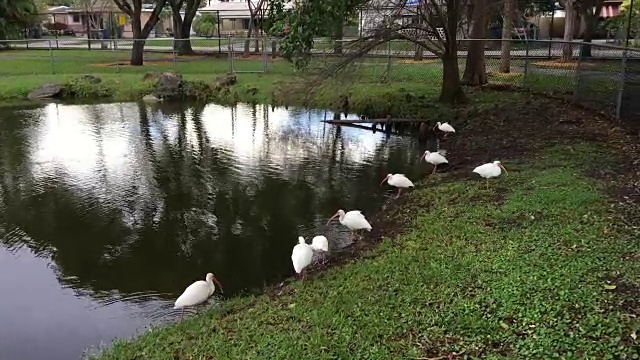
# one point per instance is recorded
(514, 272)
(376, 86)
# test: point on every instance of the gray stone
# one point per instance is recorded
(151, 98)
(224, 81)
(169, 86)
(46, 91)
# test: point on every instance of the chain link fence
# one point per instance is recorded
(601, 76)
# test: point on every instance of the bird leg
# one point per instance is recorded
(182, 314)
(434, 169)
(487, 183)
(399, 191)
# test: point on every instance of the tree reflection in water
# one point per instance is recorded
(176, 191)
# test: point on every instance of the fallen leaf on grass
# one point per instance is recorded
(633, 335)
(610, 286)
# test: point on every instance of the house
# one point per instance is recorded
(552, 25)
(80, 20)
(102, 14)
(234, 15)
(395, 11)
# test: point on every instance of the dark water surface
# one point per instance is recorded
(107, 212)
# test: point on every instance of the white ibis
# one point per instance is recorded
(320, 243)
(353, 219)
(197, 293)
(490, 170)
(445, 127)
(301, 256)
(435, 158)
(398, 180)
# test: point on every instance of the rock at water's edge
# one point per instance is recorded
(169, 86)
(45, 91)
(151, 98)
(224, 81)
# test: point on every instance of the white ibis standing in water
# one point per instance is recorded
(445, 127)
(301, 256)
(197, 293)
(398, 180)
(321, 244)
(435, 158)
(353, 219)
(490, 170)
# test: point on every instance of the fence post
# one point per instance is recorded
(623, 75)
(526, 63)
(389, 61)
(264, 54)
(576, 88)
(115, 49)
(53, 65)
(173, 52)
(230, 52)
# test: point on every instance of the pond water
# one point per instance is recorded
(107, 212)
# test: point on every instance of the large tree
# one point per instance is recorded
(15, 16)
(182, 25)
(475, 72)
(255, 7)
(508, 17)
(133, 9)
(589, 10)
(570, 17)
(434, 28)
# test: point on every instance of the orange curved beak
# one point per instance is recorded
(505, 170)
(333, 217)
(383, 180)
(218, 283)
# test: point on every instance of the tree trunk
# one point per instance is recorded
(337, 37)
(569, 17)
(247, 43)
(590, 17)
(137, 48)
(475, 72)
(507, 29)
(137, 53)
(451, 91)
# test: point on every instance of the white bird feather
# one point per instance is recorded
(320, 243)
(490, 170)
(301, 255)
(197, 293)
(445, 127)
(435, 158)
(399, 181)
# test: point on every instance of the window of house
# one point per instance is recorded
(76, 18)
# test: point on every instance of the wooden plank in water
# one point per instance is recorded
(370, 121)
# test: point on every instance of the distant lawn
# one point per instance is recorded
(23, 70)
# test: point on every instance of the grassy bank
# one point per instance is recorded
(518, 271)
(539, 266)
(376, 87)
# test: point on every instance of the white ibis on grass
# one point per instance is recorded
(320, 244)
(301, 256)
(197, 293)
(435, 158)
(354, 220)
(490, 170)
(398, 180)
(445, 127)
